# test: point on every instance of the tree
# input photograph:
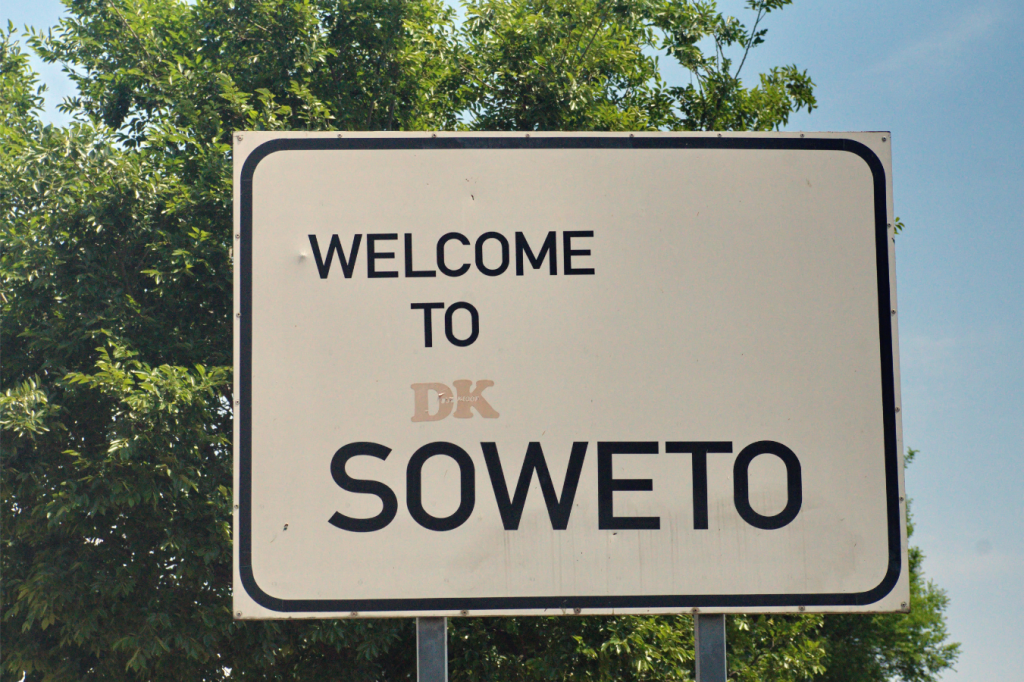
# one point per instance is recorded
(116, 300)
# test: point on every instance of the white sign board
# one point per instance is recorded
(565, 373)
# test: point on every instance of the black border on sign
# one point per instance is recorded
(671, 601)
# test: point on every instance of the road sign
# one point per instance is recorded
(565, 373)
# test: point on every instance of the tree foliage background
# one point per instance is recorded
(116, 337)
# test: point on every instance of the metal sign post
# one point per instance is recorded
(432, 650)
(709, 643)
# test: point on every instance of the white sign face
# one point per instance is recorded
(565, 373)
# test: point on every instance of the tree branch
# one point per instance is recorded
(750, 41)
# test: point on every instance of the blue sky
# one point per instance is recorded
(947, 78)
